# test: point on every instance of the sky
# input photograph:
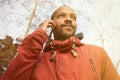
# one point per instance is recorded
(97, 19)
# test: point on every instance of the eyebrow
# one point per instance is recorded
(55, 13)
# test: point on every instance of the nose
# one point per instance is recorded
(68, 20)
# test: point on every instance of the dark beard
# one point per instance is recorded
(62, 36)
(66, 36)
(59, 35)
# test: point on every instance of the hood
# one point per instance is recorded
(65, 45)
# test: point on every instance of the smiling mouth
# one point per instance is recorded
(67, 25)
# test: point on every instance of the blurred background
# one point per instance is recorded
(99, 20)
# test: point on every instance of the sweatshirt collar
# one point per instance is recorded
(63, 45)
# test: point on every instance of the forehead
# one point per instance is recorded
(64, 9)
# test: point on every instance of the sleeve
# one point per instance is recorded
(109, 71)
(21, 66)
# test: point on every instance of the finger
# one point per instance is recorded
(52, 25)
(46, 24)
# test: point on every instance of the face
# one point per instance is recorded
(65, 20)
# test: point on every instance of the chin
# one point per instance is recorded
(67, 35)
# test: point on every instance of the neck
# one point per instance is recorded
(61, 38)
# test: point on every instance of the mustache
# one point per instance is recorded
(63, 25)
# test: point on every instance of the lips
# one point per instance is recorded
(67, 25)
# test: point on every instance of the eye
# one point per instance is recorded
(73, 17)
(61, 15)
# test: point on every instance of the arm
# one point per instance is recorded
(109, 71)
(20, 68)
(22, 65)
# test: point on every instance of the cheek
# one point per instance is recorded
(57, 27)
(58, 23)
(75, 25)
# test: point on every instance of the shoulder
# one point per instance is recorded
(92, 47)
(93, 50)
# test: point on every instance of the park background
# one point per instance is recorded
(99, 20)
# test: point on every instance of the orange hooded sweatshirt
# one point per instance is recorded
(67, 60)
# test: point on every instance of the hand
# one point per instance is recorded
(46, 24)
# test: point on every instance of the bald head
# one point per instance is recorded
(56, 11)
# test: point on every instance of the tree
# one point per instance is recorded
(8, 50)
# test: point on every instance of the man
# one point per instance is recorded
(64, 58)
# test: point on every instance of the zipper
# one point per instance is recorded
(93, 69)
